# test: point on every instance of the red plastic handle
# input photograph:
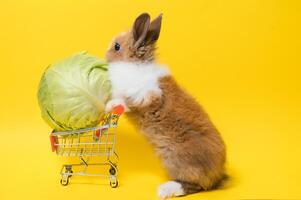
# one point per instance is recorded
(52, 142)
(118, 110)
(98, 133)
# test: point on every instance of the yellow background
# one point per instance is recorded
(240, 59)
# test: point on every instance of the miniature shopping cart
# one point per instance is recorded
(89, 143)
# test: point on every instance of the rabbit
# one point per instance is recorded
(181, 132)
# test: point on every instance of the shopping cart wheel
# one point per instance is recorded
(114, 184)
(65, 181)
(112, 171)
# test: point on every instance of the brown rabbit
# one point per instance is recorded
(189, 145)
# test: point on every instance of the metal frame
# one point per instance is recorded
(85, 143)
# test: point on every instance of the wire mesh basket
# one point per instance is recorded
(85, 143)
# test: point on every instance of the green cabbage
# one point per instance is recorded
(73, 92)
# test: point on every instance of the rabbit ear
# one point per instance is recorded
(140, 29)
(154, 30)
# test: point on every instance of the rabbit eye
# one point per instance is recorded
(117, 46)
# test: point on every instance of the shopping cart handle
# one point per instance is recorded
(52, 142)
(118, 110)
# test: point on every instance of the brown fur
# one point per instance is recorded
(180, 130)
(128, 52)
(183, 135)
(141, 49)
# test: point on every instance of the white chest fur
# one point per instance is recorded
(135, 81)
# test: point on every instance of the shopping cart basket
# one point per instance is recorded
(85, 143)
